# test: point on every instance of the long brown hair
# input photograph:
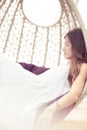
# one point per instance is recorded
(79, 50)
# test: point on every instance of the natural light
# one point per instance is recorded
(47, 12)
(82, 6)
(42, 12)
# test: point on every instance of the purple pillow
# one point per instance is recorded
(33, 68)
(27, 66)
(38, 70)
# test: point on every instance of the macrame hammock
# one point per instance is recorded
(23, 40)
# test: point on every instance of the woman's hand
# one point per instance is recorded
(44, 120)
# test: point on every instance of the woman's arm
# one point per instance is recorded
(76, 90)
(70, 98)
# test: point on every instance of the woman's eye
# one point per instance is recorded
(66, 45)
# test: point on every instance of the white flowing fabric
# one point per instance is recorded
(22, 92)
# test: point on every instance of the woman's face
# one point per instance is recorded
(67, 49)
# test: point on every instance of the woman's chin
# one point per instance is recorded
(67, 58)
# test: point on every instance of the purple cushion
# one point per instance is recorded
(27, 66)
(38, 70)
(33, 68)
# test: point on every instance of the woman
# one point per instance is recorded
(75, 51)
(23, 93)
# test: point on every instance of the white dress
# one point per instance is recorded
(22, 92)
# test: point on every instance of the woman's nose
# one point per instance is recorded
(63, 48)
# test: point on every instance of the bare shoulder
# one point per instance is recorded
(83, 69)
(84, 66)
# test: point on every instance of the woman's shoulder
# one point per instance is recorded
(84, 67)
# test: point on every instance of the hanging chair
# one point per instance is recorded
(23, 40)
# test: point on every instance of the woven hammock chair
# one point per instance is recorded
(23, 40)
